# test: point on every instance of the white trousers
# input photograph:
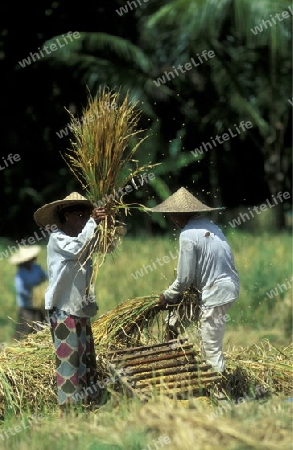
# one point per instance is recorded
(211, 329)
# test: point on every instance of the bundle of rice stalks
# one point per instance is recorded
(140, 321)
(101, 157)
(129, 324)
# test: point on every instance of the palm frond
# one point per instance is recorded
(190, 20)
(92, 44)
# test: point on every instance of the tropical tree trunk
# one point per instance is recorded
(276, 158)
(276, 167)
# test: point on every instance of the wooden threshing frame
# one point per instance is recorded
(171, 368)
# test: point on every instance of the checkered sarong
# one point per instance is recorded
(75, 354)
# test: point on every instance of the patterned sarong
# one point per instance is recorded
(75, 355)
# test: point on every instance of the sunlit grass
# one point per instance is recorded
(162, 423)
(262, 261)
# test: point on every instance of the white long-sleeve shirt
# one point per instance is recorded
(70, 270)
(206, 261)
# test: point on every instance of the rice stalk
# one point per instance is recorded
(140, 320)
(125, 325)
(102, 158)
(134, 322)
(261, 364)
(23, 382)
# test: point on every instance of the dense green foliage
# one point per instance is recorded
(248, 79)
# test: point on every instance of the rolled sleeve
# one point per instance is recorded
(70, 247)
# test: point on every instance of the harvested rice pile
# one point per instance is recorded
(27, 370)
(265, 364)
(27, 374)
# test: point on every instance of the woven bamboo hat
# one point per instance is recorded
(48, 214)
(24, 254)
(182, 201)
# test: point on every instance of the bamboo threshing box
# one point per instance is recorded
(171, 368)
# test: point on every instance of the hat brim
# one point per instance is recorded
(182, 201)
(24, 255)
(47, 214)
(174, 210)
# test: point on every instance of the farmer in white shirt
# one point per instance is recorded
(205, 262)
(69, 298)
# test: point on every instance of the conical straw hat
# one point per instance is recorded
(24, 254)
(47, 214)
(182, 201)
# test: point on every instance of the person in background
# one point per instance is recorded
(29, 274)
(70, 297)
(206, 263)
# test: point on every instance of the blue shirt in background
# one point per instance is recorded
(25, 281)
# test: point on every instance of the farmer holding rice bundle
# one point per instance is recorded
(69, 298)
(205, 262)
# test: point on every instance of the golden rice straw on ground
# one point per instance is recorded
(27, 375)
(248, 426)
(264, 363)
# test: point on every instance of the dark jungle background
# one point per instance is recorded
(249, 79)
